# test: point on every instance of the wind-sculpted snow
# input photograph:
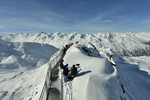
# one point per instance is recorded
(97, 78)
(126, 44)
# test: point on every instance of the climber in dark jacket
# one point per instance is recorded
(73, 71)
(62, 65)
(65, 73)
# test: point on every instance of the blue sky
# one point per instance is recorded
(83, 16)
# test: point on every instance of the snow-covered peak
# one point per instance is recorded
(95, 78)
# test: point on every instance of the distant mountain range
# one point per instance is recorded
(125, 44)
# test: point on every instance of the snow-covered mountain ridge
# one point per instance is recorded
(24, 54)
(126, 44)
(22, 73)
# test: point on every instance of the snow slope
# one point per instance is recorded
(22, 84)
(23, 68)
(134, 75)
(97, 79)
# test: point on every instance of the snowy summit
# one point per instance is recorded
(110, 66)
